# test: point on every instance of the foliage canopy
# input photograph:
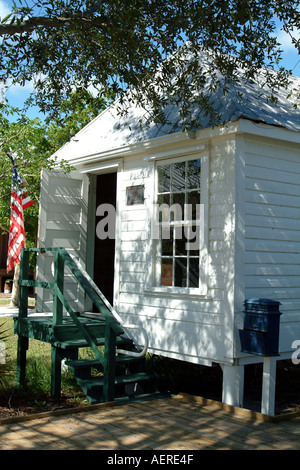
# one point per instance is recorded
(111, 46)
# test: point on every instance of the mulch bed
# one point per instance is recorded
(19, 405)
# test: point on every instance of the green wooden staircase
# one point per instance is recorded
(116, 370)
(131, 382)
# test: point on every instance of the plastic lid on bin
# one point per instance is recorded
(262, 301)
(262, 304)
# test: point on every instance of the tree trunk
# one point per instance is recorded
(14, 301)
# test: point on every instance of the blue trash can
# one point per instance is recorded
(260, 335)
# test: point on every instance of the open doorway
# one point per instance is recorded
(104, 259)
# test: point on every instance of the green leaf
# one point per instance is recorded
(6, 18)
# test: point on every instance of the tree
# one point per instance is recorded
(25, 141)
(73, 114)
(63, 45)
(32, 144)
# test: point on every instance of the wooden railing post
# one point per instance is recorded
(109, 362)
(23, 310)
(24, 276)
(56, 356)
(56, 359)
(59, 267)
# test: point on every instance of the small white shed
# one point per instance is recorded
(245, 174)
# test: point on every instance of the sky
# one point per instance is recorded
(17, 94)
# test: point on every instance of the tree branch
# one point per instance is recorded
(18, 27)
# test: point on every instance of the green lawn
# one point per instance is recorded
(5, 301)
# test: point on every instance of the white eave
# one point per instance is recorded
(185, 142)
(132, 149)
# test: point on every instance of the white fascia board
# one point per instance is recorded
(218, 131)
(248, 126)
(147, 146)
(155, 148)
(260, 129)
(150, 148)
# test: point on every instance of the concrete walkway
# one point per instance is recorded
(8, 312)
(179, 423)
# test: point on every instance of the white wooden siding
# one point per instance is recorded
(179, 326)
(272, 226)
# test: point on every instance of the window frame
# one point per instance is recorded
(154, 272)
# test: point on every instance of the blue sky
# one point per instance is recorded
(17, 94)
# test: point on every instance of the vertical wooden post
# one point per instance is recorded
(59, 267)
(269, 384)
(109, 363)
(56, 356)
(21, 359)
(56, 359)
(24, 275)
(233, 385)
(23, 310)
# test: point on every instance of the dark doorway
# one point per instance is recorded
(105, 249)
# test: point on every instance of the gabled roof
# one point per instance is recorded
(244, 100)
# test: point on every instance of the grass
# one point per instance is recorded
(5, 301)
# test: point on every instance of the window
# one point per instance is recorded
(178, 219)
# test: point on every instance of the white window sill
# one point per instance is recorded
(177, 292)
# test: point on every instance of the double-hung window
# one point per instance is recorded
(179, 225)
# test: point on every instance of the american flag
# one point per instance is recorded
(19, 201)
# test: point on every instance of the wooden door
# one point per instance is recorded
(62, 223)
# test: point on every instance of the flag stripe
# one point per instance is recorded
(16, 241)
(19, 201)
(16, 238)
(27, 202)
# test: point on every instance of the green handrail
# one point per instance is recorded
(89, 290)
(112, 327)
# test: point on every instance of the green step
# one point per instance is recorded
(82, 343)
(93, 387)
(66, 335)
(142, 397)
(84, 363)
(119, 380)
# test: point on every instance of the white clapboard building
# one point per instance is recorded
(244, 173)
